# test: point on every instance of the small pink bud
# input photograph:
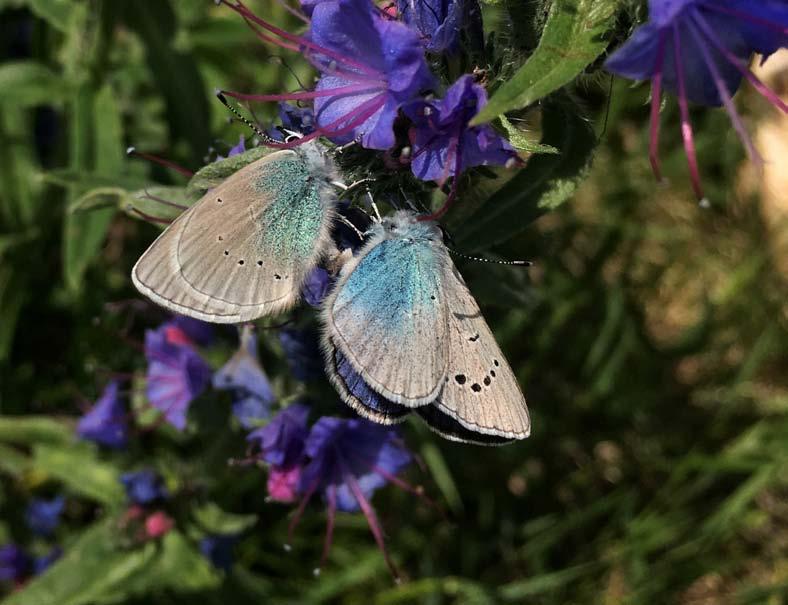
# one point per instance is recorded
(283, 483)
(157, 524)
(176, 336)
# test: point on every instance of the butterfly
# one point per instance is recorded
(403, 334)
(245, 248)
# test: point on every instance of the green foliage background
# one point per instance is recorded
(650, 338)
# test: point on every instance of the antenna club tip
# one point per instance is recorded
(130, 150)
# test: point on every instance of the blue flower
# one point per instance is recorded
(699, 50)
(176, 373)
(244, 375)
(15, 563)
(41, 564)
(348, 461)
(281, 441)
(144, 487)
(441, 22)
(297, 119)
(196, 331)
(370, 66)
(105, 423)
(317, 284)
(43, 516)
(234, 150)
(302, 352)
(218, 549)
(444, 144)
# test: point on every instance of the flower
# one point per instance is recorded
(444, 144)
(296, 119)
(41, 564)
(176, 372)
(281, 441)
(441, 22)
(234, 150)
(157, 524)
(370, 66)
(282, 484)
(218, 549)
(105, 423)
(244, 376)
(317, 284)
(302, 353)
(144, 487)
(699, 49)
(348, 461)
(15, 563)
(187, 330)
(43, 516)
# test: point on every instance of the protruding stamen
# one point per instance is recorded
(686, 126)
(656, 100)
(148, 217)
(714, 6)
(160, 200)
(331, 513)
(306, 95)
(132, 151)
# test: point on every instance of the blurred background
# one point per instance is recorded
(650, 338)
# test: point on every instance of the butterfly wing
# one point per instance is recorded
(481, 400)
(244, 249)
(386, 320)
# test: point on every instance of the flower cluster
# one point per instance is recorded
(374, 72)
(699, 50)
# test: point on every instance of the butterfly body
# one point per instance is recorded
(244, 249)
(403, 334)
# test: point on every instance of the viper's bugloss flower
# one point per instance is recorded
(234, 150)
(441, 22)
(218, 549)
(317, 284)
(244, 376)
(281, 441)
(370, 66)
(297, 119)
(43, 516)
(348, 461)
(105, 423)
(158, 524)
(41, 564)
(283, 482)
(443, 144)
(15, 563)
(197, 332)
(699, 50)
(176, 372)
(144, 487)
(302, 352)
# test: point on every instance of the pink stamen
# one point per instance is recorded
(160, 200)
(746, 16)
(161, 161)
(331, 514)
(246, 13)
(764, 90)
(301, 96)
(656, 98)
(299, 512)
(404, 485)
(372, 520)
(686, 126)
(150, 218)
(725, 95)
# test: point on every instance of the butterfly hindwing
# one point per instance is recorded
(387, 320)
(244, 249)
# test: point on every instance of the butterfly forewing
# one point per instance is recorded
(243, 250)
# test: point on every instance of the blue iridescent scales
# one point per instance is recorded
(403, 334)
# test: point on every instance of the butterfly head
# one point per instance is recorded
(318, 159)
(404, 224)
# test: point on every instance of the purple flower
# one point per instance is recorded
(348, 461)
(699, 50)
(302, 353)
(105, 423)
(234, 150)
(41, 564)
(444, 144)
(441, 22)
(218, 549)
(370, 66)
(317, 284)
(281, 441)
(297, 119)
(15, 563)
(43, 516)
(196, 331)
(144, 487)
(244, 375)
(176, 373)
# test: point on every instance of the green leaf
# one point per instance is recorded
(28, 430)
(27, 83)
(573, 37)
(520, 141)
(77, 466)
(214, 520)
(546, 182)
(214, 173)
(55, 12)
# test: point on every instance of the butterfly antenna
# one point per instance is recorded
(266, 139)
(374, 206)
(352, 226)
(481, 259)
